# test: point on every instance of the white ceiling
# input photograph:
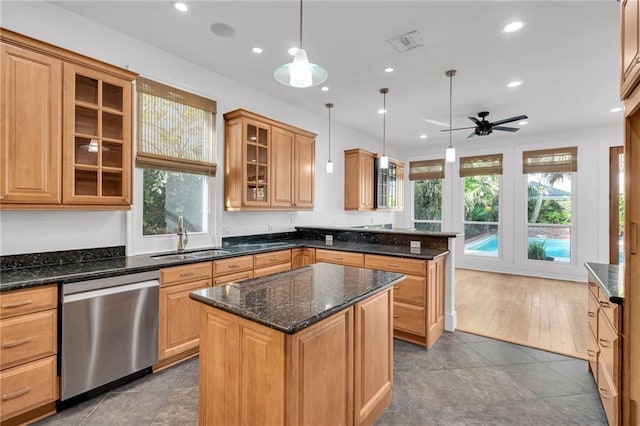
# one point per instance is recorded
(567, 56)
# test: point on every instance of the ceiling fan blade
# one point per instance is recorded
(471, 135)
(506, 129)
(509, 120)
(459, 128)
(475, 120)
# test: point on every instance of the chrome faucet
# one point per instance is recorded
(183, 237)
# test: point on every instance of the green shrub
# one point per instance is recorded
(536, 250)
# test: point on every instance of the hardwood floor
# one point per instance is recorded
(546, 314)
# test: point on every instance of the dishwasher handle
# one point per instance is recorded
(109, 291)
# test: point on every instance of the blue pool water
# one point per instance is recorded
(560, 250)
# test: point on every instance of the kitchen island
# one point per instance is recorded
(309, 346)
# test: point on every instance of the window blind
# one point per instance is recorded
(426, 169)
(481, 165)
(175, 129)
(557, 160)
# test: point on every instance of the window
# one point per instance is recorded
(481, 204)
(427, 177)
(176, 150)
(549, 203)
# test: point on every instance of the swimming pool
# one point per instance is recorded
(559, 249)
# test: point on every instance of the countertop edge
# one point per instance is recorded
(618, 300)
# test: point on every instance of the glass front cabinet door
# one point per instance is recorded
(388, 185)
(256, 142)
(97, 137)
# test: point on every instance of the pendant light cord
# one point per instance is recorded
(300, 24)
(329, 106)
(450, 106)
(384, 123)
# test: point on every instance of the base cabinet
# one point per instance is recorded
(338, 371)
(302, 256)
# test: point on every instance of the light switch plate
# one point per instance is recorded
(328, 240)
(415, 245)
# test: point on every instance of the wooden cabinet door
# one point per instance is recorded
(282, 177)
(366, 182)
(30, 119)
(358, 180)
(630, 15)
(373, 354)
(435, 300)
(315, 393)
(304, 172)
(302, 257)
(97, 137)
(179, 319)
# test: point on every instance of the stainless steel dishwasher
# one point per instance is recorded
(109, 331)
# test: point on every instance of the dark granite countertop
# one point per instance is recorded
(32, 276)
(292, 301)
(610, 278)
(382, 230)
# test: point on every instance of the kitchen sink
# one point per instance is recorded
(190, 255)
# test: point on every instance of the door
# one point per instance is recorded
(282, 143)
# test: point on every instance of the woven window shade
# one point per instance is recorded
(175, 129)
(481, 165)
(426, 169)
(557, 160)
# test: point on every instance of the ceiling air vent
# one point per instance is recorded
(406, 41)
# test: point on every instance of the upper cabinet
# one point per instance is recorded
(630, 57)
(367, 186)
(67, 143)
(268, 165)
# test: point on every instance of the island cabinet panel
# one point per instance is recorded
(302, 256)
(179, 323)
(373, 376)
(242, 371)
(320, 372)
(31, 140)
(435, 300)
(340, 257)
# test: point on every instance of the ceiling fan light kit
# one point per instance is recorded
(300, 72)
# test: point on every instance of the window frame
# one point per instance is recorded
(423, 170)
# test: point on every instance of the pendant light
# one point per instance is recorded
(450, 154)
(384, 160)
(300, 72)
(329, 163)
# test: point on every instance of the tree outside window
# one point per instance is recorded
(427, 205)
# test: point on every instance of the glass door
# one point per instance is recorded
(256, 154)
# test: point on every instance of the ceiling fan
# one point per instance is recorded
(484, 127)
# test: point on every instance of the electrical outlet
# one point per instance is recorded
(415, 245)
(328, 240)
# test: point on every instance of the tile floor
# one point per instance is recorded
(463, 380)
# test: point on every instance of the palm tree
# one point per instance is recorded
(539, 190)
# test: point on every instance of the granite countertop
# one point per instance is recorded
(24, 277)
(382, 230)
(292, 301)
(610, 278)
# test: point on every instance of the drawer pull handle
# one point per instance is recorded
(273, 259)
(339, 258)
(591, 314)
(234, 266)
(187, 274)
(591, 352)
(395, 265)
(607, 345)
(605, 304)
(16, 394)
(604, 393)
(17, 304)
(396, 316)
(16, 343)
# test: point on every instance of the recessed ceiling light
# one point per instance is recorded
(616, 109)
(388, 69)
(325, 88)
(256, 50)
(523, 123)
(182, 7)
(381, 111)
(515, 83)
(513, 26)
(423, 136)
(292, 51)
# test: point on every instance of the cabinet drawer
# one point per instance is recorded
(594, 288)
(609, 396)
(20, 302)
(592, 314)
(411, 290)
(409, 318)
(271, 269)
(28, 386)
(340, 257)
(611, 310)
(239, 276)
(272, 258)
(27, 337)
(593, 352)
(396, 264)
(235, 264)
(185, 273)
(609, 345)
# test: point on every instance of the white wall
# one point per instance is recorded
(591, 199)
(24, 232)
